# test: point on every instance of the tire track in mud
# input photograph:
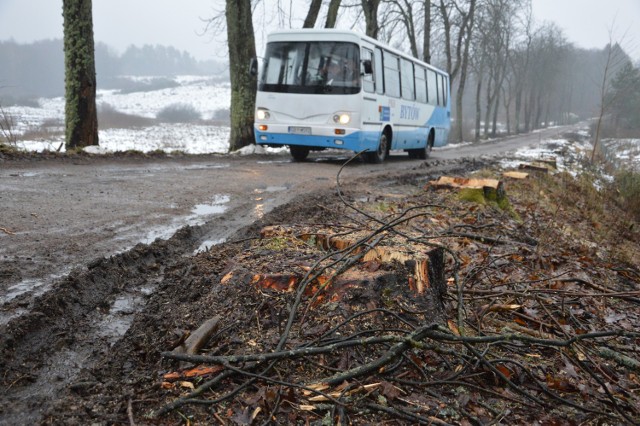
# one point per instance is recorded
(73, 324)
(68, 327)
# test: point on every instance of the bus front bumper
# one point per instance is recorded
(351, 140)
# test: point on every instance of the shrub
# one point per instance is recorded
(110, 118)
(628, 185)
(7, 124)
(178, 113)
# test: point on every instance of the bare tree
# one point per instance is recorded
(519, 62)
(242, 48)
(458, 23)
(332, 14)
(370, 9)
(80, 75)
(312, 14)
(549, 51)
(426, 36)
(409, 20)
(404, 14)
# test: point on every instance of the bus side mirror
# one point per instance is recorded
(253, 67)
(368, 69)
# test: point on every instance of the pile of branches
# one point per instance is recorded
(528, 327)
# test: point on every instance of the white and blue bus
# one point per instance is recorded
(328, 88)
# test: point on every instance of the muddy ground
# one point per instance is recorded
(72, 274)
(89, 350)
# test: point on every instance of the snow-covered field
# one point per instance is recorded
(42, 128)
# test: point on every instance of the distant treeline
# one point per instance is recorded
(37, 69)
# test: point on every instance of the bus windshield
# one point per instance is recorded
(311, 67)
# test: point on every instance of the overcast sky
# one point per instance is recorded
(120, 23)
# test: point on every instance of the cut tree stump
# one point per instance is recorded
(538, 168)
(405, 269)
(515, 175)
(472, 189)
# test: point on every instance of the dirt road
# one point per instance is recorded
(61, 214)
(64, 218)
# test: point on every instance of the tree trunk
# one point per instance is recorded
(426, 44)
(478, 106)
(81, 118)
(370, 10)
(487, 112)
(242, 48)
(538, 114)
(312, 14)
(463, 70)
(332, 14)
(506, 95)
(528, 112)
(494, 119)
(407, 18)
(518, 109)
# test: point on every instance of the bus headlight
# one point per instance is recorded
(262, 114)
(342, 118)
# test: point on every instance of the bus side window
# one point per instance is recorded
(368, 82)
(421, 85)
(378, 74)
(407, 79)
(432, 91)
(391, 75)
(444, 90)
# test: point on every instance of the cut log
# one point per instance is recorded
(515, 175)
(470, 183)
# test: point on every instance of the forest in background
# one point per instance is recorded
(37, 69)
(509, 73)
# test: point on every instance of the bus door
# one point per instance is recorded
(373, 106)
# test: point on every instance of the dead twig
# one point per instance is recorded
(130, 413)
(7, 231)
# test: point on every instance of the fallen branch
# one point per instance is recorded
(306, 351)
(621, 359)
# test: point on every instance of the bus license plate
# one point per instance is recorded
(300, 130)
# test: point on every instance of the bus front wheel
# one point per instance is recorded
(379, 155)
(299, 153)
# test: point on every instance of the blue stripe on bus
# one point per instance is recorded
(356, 141)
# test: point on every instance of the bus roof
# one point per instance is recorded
(333, 34)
